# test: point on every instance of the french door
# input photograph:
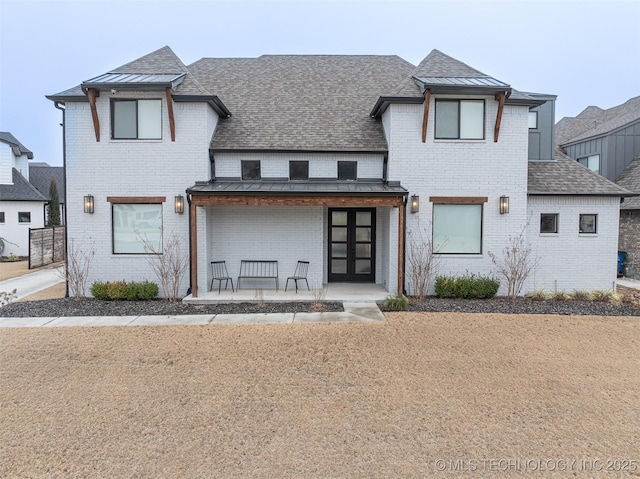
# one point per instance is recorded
(352, 234)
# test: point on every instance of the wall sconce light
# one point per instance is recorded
(504, 204)
(88, 204)
(415, 203)
(179, 204)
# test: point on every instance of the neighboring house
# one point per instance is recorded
(21, 204)
(606, 142)
(40, 176)
(336, 160)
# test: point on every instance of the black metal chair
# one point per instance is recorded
(299, 275)
(219, 273)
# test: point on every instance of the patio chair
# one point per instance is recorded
(299, 275)
(219, 273)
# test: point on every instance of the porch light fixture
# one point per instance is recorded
(88, 204)
(504, 204)
(179, 204)
(415, 203)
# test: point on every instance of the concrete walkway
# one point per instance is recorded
(628, 283)
(353, 312)
(31, 283)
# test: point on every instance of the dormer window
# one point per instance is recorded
(347, 170)
(459, 119)
(136, 119)
(251, 170)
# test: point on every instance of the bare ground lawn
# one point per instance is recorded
(325, 400)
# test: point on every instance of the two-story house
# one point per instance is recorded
(608, 143)
(21, 204)
(335, 160)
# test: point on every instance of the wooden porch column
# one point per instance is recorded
(194, 247)
(92, 93)
(496, 131)
(172, 123)
(425, 115)
(401, 211)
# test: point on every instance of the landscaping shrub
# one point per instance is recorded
(399, 302)
(603, 295)
(537, 295)
(581, 295)
(121, 290)
(469, 286)
(560, 296)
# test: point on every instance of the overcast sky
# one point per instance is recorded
(586, 52)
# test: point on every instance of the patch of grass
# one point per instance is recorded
(604, 296)
(398, 302)
(560, 296)
(581, 295)
(537, 295)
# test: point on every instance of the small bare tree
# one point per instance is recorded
(76, 271)
(516, 263)
(169, 265)
(319, 293)
(424, 265)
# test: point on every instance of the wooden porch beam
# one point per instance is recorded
(458, 200)
(172, 123)
(193, 225)
(500, 97)
(92, 93)
(401, 213)
(292, 200)
(425, 115)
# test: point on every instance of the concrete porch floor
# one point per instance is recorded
(350, 292)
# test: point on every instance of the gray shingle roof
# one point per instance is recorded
(594, 121)
(20, 190)
(18, 148)
(630, 179)
(565, 176)
(40, 175)
(301, 102)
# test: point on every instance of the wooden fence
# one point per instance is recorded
(46, 245)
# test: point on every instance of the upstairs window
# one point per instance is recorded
(1, 216)
(347, 170)
(589, 224)
(251, 170)
(298, 170)
(136, 119)
(549, 223)
(533, 120)
(592, 162)
(459, 119)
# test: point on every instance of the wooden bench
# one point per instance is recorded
(258, 269)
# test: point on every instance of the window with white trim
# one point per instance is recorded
(592, 162)
(136, 119)
(457, 228)
(137, 228)
(459, 119)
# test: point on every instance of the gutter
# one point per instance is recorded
(66, 193)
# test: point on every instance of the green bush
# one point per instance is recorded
(121, 290)
(469, 286)
(399, 302)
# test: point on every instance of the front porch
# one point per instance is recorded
(343, 292)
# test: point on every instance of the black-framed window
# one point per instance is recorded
(533, 120)
(592, 162)
(347, 170)
(136, 119)
(588, 223)
(549, 223)
(136, 228)
(251, 170)
(1, 216)
(298, 170)
(24, 216)
(459, 119)
(457, 228)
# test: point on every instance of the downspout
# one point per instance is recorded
(404, 245)
(212, 163)
(66, 195)
(190, 252)
(385, 167)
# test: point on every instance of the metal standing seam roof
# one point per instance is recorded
(315, 188)
(138, 80)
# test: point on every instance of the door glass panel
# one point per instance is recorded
(339, 218)
(339, 250)
(338, 234)
(363, 218)
(363, 266)
(363, 234)
(362, 250)
(339, 266)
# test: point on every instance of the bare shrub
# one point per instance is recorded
(76, 270)
(319, 295)
(258, 297)
(424, 265)
(516, 263)
(169, 265)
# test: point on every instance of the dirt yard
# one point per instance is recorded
(10, 270)
(423, 395)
